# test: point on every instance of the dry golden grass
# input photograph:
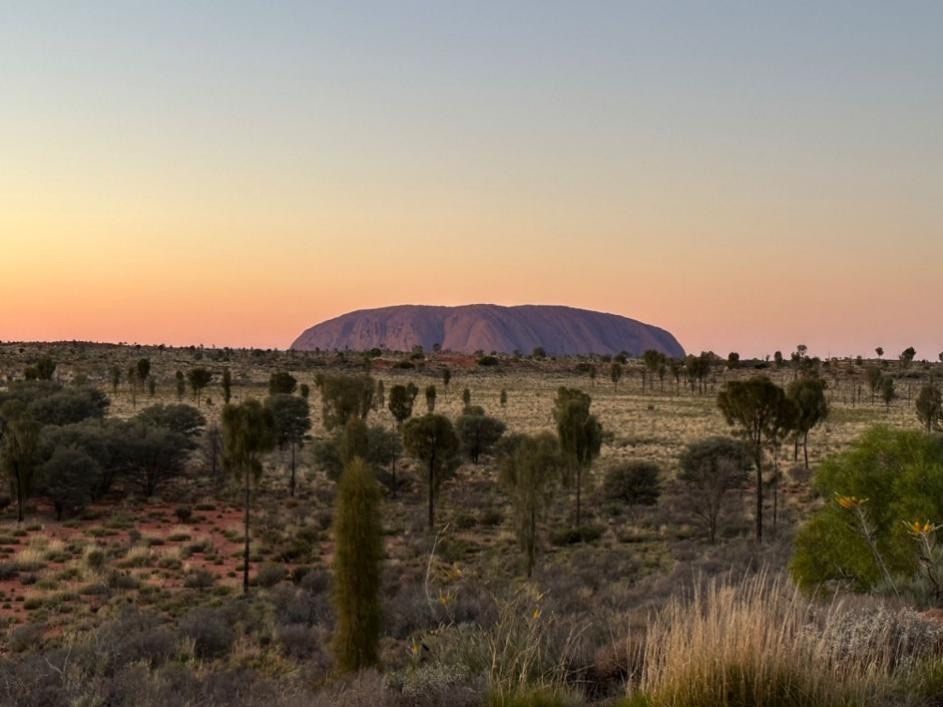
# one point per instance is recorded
(760, 642)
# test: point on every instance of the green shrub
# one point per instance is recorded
(270, 574)
(581, 534)
(635, 483)
(887, 478)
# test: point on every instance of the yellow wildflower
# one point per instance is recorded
(918, 529)
(850, 502)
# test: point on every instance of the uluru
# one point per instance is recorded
(559, 330)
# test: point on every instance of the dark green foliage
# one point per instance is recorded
(45, 368)
(18, 451)
(150, 454)
(874, 377)
(930, 406)
(579, 534)
(430, 398)
(431, 439)
(446, 377)
(907, 356)
(304, 390)
(478, 432)
(402, 398)
(900, 474)
(756, 407)
(292, 417)
(697, 369)
(358, 554)
(488, 361)
(503, 398)
(811, 408)
(888, 391)
(50, 404)
(531, 469)
(580, 436)
(185, 420)
(466, 397)
(143, 369)
(68, 478)
(615, 373)
(101, 441)
(248, 433)
(653, 360)
(282, 383)
(354, 441)
(227, 386)
(710, 469)
(378, 446)
(636, 483)
(198, 378)
(181, 384)
(344, 397)
(69, 405)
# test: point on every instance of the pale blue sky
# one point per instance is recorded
(708, 147)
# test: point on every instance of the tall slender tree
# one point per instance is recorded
(930, 406)
(580, 436)
(227, 386)
(531, 469)
(18, 451)
(292, 417)
(248, 433)
(358, 555)
(615, 373)
(431, 439)
(753, 405)
(808, 395)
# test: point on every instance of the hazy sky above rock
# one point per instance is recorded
(749, 176)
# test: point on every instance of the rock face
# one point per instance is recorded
(488, 327)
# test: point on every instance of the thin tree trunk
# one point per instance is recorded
(579, 486)
(245, 554)
(805, 448)
(532, 549)
(291, 484)
(431, 494)
(19, 492)
(759, 493)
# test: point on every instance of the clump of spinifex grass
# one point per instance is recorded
(761, 643)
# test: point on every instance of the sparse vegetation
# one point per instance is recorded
(509, 600)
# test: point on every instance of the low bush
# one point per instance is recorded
(211, 634)
(581, 534)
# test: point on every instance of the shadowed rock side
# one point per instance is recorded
(488, 327)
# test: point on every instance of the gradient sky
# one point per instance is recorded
(747, 175)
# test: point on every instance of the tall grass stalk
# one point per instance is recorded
(760, 642)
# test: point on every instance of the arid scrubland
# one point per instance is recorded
(135, 596)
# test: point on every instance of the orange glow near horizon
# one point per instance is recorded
(746, 190)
